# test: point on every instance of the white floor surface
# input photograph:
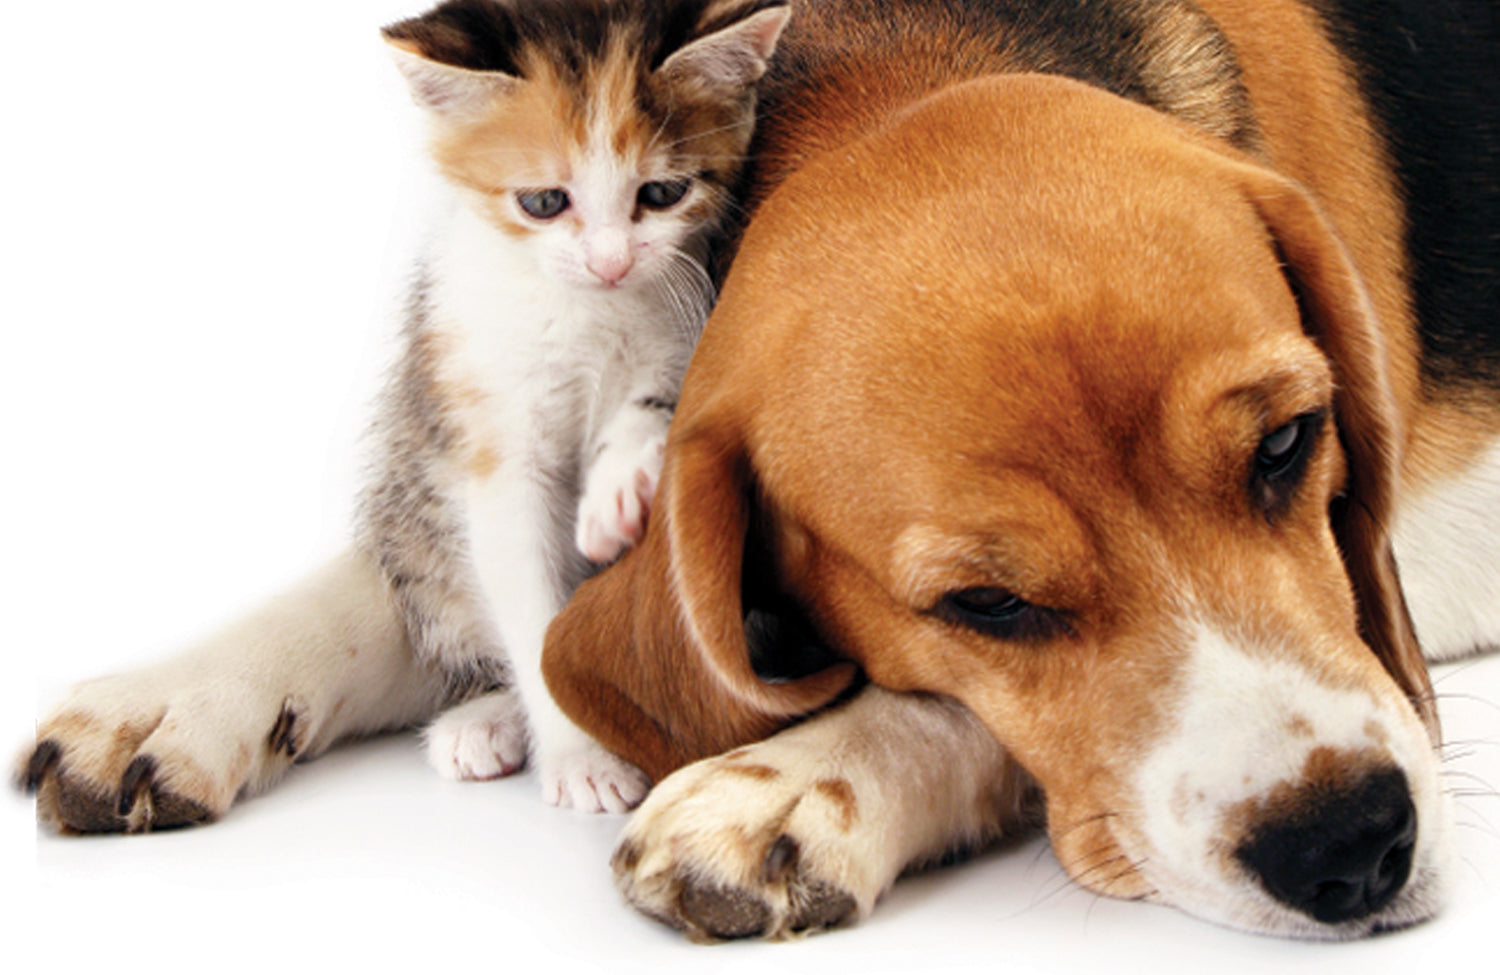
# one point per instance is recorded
(204, 216)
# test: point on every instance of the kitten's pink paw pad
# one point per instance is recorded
(617, 503)
(478, 740)
(592, 780)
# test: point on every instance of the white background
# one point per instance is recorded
(204, 220)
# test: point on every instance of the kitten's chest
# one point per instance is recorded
(524, 370)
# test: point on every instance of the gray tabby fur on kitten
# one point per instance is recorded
(589, 148)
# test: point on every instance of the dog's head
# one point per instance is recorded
(1038, 400)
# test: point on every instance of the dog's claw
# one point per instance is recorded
(43, 759)
(781, 860)
(136, 780)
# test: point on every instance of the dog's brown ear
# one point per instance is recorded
(651, 656)
(1338, 315)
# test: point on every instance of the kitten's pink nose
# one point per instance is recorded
(611, 266)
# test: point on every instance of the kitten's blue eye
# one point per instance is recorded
(543, 204)
(663, 194)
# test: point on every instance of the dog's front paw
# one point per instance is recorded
(590, 779)
(127, 755)
(757, 842)
(617, 500)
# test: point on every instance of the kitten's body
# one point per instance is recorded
(588, 147)
(524, 387)
(522, 433)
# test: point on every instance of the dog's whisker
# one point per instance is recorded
(1467, 699)
(1486, 827)
(1067, 878)
(1456, 773)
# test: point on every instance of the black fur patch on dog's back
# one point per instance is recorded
(1429, 69)
(1167, 54)
(1164, 53)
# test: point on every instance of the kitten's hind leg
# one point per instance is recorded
(480, 739)
(175, 743)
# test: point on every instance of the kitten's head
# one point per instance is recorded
(605, 132)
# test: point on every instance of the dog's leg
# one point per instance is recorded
(173, 744)
(807, 829)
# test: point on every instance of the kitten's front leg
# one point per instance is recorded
(519, 547)
(620, 484)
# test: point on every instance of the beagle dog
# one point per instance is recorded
(1100, 418)
(1090, 378)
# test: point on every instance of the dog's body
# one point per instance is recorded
(1010, 399)
(995, 392)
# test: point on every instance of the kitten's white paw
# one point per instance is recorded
(480, 739)
(590, 779)
(617, 500)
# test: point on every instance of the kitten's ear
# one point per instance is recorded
(735, 39)
(445, 88)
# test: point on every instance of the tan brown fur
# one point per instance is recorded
(523, 140)
(533, 133)
(1107, 478)
(918, 480)
(841, 794)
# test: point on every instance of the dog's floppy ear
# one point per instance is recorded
(651, 656)
(1337, 313)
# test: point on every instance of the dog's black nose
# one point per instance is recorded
(1341, 854)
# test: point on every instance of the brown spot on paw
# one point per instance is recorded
(1300, 727)
(70, 725)
(128, 735)
(841, 795)
(761, 773)
(723, 912)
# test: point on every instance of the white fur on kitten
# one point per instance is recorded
(562, 294)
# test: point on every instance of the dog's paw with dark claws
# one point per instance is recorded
(130, 754)
(763, 842)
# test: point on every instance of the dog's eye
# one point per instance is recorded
(1281, 459)
(543, 204)
(998, 613)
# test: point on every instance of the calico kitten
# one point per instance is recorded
(588, 148)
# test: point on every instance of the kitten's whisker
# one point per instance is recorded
(705, 132)
(661, 128)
